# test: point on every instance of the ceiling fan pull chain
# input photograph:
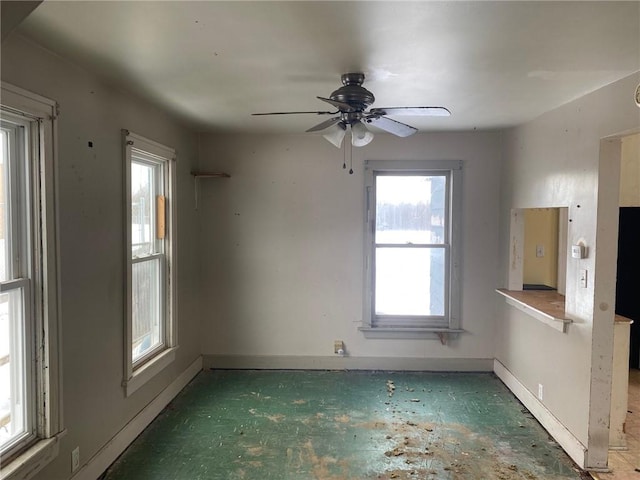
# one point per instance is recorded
(344, 156)
(351, 158)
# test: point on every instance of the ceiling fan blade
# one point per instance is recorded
(344, 107)
(416, 111)
(325, 124)
(295, 113)
(391, 126)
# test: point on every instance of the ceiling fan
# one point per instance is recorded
(352, 101)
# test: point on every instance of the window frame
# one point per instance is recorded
(26, 458)
(156, 360)
(375, 326)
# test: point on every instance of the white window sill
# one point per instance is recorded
(543, 305)
(410, 333)
(34, 459)
(149, 370)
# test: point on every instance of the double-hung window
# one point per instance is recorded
(151, 321)
(30, 406)
(412, 247)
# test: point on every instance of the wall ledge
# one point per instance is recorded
(545, 306)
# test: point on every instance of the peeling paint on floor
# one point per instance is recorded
(255, 425)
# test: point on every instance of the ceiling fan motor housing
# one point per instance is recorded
(353, 93)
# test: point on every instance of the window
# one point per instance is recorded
(412, 247)
(30, 403)
(151, 322)
(16, 319)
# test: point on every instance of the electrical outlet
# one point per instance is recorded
(540, 391)
(338, 347)
(75, 459)
(539, 251)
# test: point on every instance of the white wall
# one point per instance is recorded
(630, 171)
(91, 229)
(554, 161)
(283, 251)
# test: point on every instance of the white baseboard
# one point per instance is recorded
(286, 362)
(576, 450)
(114, 448)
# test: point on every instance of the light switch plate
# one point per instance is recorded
(583, 278)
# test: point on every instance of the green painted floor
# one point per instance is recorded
(258, 425)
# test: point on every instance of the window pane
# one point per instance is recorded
(410, 209)
(145, 305)
(142, 209)
(5, 232)
(410, 281)
(13, 382)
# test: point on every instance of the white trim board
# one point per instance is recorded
(114, 447)
(556, 429)
(277, 362)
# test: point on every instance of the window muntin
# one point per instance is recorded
(151, 324)
(411, 249)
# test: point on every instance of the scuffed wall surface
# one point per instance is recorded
(283, 262)
(91, 242)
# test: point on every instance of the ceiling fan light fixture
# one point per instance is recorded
(360, 135)
(336, 134)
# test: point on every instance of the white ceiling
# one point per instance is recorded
(493, 64)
